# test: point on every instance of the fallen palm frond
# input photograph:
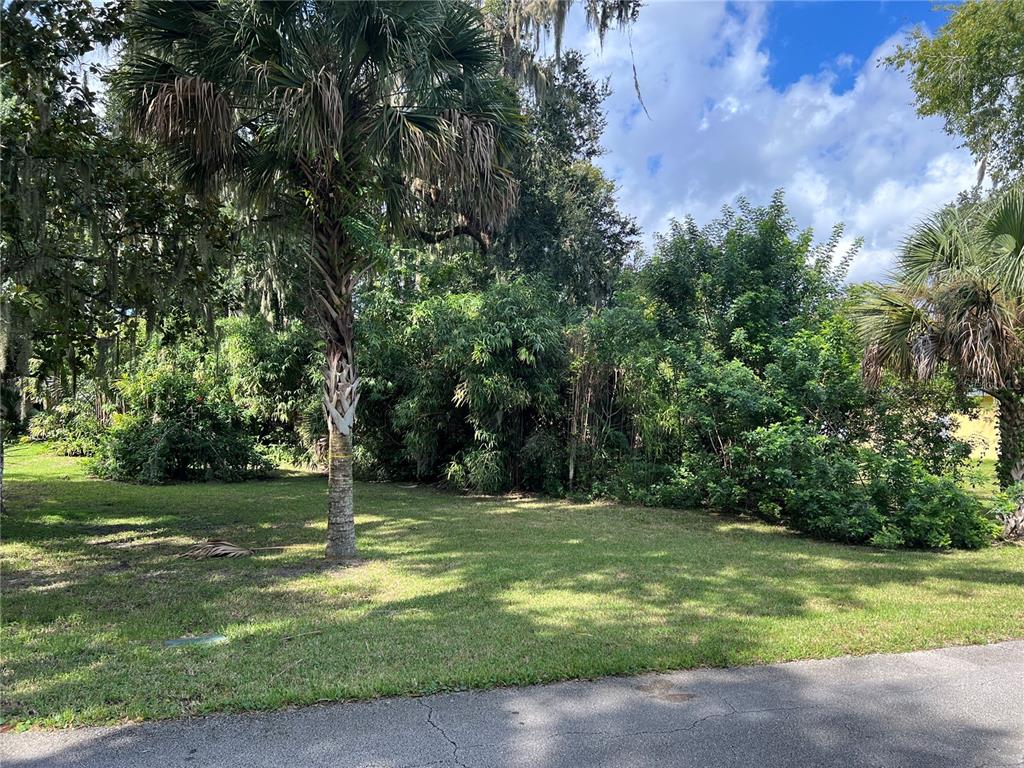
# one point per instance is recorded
(216, 548)
(222, 548)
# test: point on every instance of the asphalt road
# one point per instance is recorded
(956, 707)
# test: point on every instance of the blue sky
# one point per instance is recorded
(746, 98)
(807, 37)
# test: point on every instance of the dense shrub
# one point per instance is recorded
(791, 472)
(72, 427)
(787, 473)
(723, 375)
(177, 425)
(638, 481)
(936, 513)
(273, 377)
(480, 469)
(829, 489)
(464, 387)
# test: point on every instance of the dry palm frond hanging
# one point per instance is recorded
(216, 548)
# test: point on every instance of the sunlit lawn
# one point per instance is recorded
(454, 592)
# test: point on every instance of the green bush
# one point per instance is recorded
(543, 463)
(478, 469)
(824, 487)
(366, 466)
(811, 483)
(464, 387)
(937, 514)
(637, 481)
(667, 398)
(178, 426)
(72, 427)
(272, 375)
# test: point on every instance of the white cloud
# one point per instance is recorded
(718, 128)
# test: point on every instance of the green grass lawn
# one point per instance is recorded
(455, 592)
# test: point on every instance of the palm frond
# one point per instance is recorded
(194, 112)
(335, 102)
(955, 298)
(939, 245)
(898, 333)
(1004, 229)
(981, 331)
(216, 548)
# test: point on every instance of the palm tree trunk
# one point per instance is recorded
(340, 406)
(1010, 466)
(341, 385)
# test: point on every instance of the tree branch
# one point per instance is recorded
(483, 239)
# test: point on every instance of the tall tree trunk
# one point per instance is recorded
(340, 400)
(1010, 466)
(341, 384)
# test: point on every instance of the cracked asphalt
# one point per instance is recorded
(956, 707)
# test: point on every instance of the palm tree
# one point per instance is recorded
(957, 298)
(356, 117)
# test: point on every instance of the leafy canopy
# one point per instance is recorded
(349, 109)
(970, 73)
